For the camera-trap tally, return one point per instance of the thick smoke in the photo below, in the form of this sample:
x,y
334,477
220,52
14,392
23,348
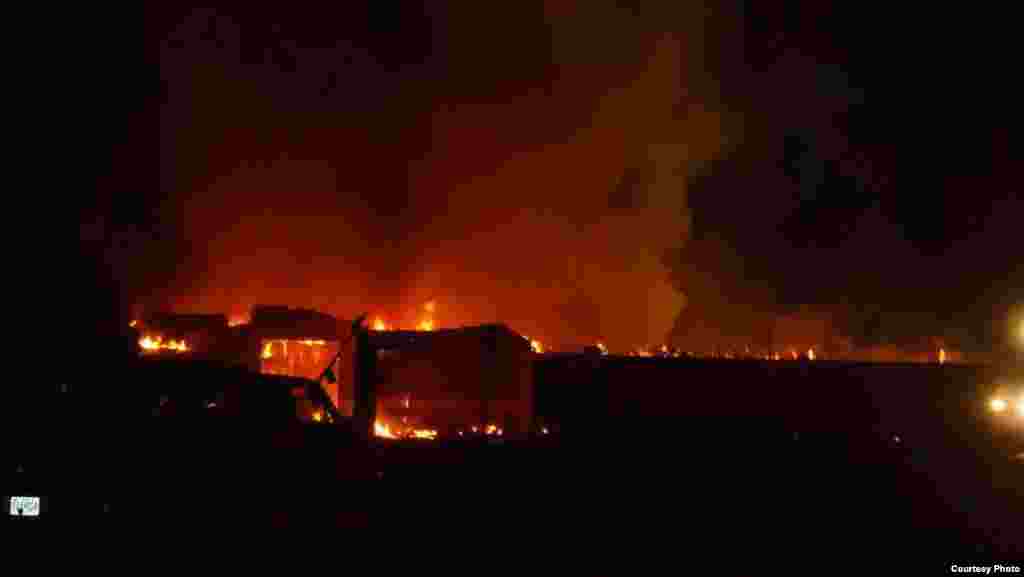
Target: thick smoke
x,y
535,175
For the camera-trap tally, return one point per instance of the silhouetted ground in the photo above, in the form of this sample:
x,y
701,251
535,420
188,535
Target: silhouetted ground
x,y
863,475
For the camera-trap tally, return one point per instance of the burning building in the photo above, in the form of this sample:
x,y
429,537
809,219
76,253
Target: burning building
x,y
444,379
293,342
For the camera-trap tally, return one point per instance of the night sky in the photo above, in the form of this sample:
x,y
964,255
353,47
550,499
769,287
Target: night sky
x,y
580,171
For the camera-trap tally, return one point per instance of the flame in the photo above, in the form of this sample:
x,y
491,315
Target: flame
x,y
429,434
602,348
379,324
267,351
430,307
318,416
425,325
536,346
238,321
314,343
942,356
133,324
383,430
157,343
664,349
810,354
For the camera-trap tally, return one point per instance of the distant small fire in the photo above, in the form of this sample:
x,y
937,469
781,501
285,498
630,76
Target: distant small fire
x,y
427,324
489,430
153,344
238,320
386,431
535,345
380,325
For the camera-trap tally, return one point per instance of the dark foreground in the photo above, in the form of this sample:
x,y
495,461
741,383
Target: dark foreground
x,y
694,483
868,465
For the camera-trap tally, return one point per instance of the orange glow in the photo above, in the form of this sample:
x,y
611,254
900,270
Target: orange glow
x,y
380,325
152,344
942,356
794,355
425,325
314,343
268,352
664,349
536,346
318,416
238,320
430,307
133,324
602,348
810,354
